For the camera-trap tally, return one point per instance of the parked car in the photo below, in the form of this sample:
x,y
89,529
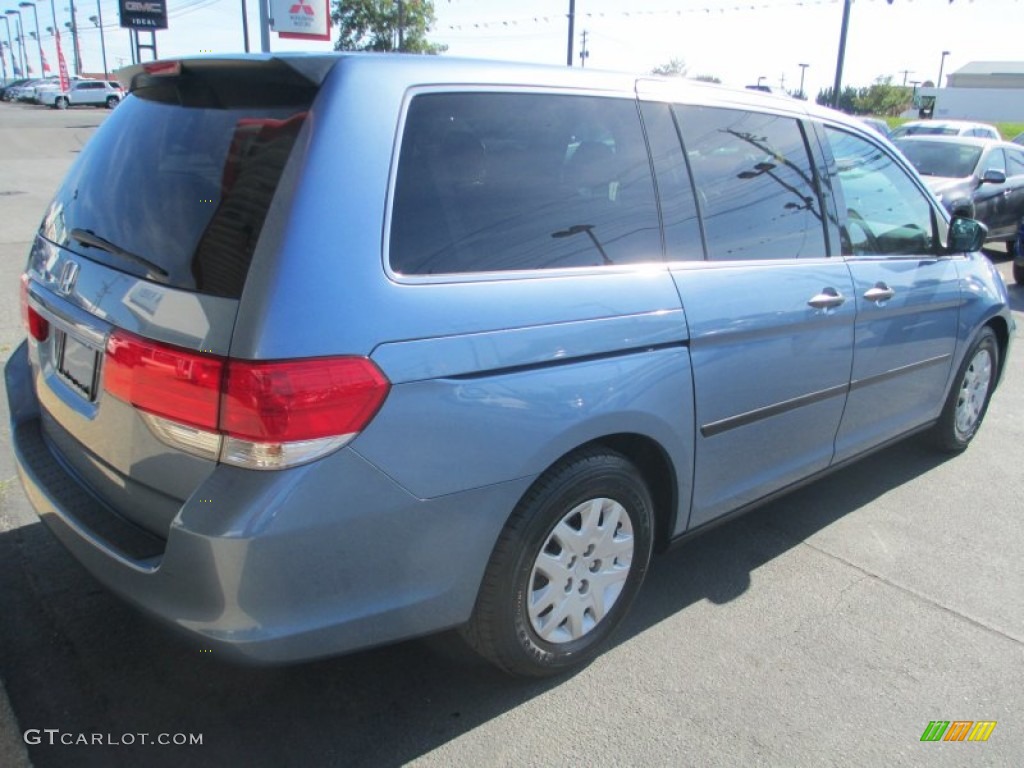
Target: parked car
x,y
328,351
26,90
1018,255
7,92
978,178
945,128
94,93
877,124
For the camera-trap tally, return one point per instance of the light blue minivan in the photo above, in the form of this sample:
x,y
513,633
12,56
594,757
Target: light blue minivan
x,y
327,351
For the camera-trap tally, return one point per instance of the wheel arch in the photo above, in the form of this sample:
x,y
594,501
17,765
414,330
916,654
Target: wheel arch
x,y
1001,329
657,469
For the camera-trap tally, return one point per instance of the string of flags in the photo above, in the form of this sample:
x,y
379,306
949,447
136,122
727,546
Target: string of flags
x,y
699,9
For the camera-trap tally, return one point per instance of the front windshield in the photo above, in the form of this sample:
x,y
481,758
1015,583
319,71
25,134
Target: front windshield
x,y
945,159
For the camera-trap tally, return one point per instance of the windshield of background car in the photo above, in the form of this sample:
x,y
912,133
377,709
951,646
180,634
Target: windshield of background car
x,y
934,158
186,188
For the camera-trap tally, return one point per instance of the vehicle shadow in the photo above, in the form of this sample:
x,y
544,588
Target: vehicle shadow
x,y
76,659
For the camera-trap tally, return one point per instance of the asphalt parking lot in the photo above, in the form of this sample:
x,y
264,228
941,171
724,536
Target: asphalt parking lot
x,y
828,628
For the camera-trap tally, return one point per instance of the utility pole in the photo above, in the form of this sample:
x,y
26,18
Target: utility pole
x,y
905,73
74,39
782,81
842,54
572,23
803,71
401,25
584,53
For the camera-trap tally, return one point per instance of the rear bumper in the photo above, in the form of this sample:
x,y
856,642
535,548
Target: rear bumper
x,y
273,567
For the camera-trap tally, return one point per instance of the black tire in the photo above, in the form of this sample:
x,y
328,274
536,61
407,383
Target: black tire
x,y
112,101
606,487
969,397
1018,273
60,103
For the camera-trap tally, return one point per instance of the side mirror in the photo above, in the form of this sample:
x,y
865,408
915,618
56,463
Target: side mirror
x,y
994,176
966,235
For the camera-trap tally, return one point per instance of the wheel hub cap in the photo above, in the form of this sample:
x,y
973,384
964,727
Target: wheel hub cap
x,y
580,571
973,391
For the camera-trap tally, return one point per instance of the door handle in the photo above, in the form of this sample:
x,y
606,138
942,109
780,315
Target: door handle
x,y
829,298
881,292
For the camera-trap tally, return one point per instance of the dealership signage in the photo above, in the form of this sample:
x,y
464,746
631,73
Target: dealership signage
x,y
301,19
143,14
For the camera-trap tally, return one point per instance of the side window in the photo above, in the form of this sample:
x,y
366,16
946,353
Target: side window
x,y
675,187
507,181
886,212
755,184
995,161
1014,162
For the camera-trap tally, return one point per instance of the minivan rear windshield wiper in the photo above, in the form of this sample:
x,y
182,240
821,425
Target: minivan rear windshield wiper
x,y
90,238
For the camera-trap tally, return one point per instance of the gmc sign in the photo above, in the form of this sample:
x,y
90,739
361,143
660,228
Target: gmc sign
x,y
143,14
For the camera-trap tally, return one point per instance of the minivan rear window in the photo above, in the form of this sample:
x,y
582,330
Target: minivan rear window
x,y
177,193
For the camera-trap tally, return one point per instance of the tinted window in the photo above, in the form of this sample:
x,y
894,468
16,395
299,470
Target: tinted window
x,y
995,161
941,158
755,185
499,181
186,188
1014,162
886,212
675,187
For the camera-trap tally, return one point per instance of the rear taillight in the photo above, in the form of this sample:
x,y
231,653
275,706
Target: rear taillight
x,y
262,415
36,325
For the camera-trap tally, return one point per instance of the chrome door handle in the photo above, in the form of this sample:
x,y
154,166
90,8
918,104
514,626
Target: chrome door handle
x,y
829,298
881,292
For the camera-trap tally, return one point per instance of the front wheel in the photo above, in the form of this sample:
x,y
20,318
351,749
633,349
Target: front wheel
x,y
968,400
566,567
112,101
61,103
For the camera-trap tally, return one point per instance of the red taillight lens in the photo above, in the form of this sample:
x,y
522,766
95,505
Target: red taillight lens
x,y
285,401
37,326
167,381
292,400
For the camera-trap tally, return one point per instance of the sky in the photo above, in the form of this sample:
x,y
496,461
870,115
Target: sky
x,y
737,42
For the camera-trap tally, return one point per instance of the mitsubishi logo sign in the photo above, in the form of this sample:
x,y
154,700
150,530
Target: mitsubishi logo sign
x,y
301,19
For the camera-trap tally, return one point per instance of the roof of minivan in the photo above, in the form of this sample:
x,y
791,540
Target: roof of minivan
x,y
418,69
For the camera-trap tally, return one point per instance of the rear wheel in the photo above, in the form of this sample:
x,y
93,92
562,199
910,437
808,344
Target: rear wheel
x,y
968,400
566,568
112,101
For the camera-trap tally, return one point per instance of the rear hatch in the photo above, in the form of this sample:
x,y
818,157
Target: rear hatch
x,y
135,277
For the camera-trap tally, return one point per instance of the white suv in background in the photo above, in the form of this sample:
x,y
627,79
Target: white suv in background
x,y
97,93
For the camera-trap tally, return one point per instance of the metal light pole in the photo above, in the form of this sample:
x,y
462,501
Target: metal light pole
x,y
10,46
21,40
572,24
3,61
39,38
803,71
245,25
842,54
98,21
942,62
73,26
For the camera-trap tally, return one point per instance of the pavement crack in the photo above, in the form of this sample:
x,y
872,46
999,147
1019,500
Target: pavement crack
x,y
867,573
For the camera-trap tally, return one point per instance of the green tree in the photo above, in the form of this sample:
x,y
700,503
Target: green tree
x,y
675,68
847,98
883,98
377,25
707,79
